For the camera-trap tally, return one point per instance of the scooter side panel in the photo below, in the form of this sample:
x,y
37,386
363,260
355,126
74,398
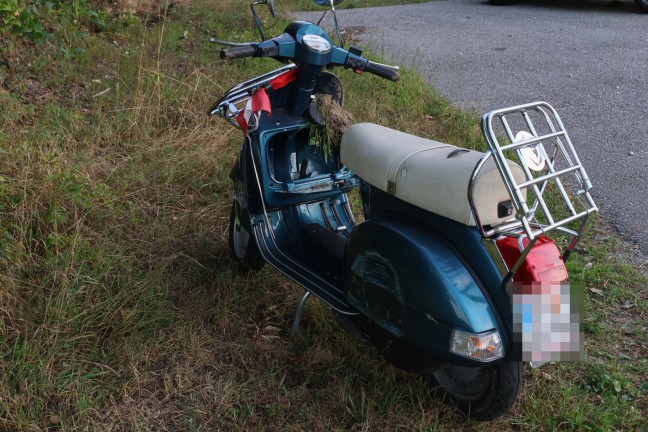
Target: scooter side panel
x,y
464,242
409,282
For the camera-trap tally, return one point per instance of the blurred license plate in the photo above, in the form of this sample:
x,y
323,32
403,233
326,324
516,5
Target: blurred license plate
x,y
547,323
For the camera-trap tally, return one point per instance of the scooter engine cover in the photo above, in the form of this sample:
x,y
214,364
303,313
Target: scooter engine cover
x,y
428,174
407,280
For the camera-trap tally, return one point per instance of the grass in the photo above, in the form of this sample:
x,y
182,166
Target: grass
x,y
119,306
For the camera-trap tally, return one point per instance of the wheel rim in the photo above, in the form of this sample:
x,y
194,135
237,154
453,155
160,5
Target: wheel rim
x,y
464,383
240,238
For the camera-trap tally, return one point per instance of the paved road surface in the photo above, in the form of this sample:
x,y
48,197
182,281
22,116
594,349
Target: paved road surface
x,y
589,59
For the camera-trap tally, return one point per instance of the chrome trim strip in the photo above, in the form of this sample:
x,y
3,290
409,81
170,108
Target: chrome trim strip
x,y
226,106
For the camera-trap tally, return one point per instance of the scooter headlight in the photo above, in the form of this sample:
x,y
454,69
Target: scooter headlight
x,y
481,347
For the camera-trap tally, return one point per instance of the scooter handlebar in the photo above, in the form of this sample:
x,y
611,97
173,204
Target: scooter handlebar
x,y
382,71
239,52
283,46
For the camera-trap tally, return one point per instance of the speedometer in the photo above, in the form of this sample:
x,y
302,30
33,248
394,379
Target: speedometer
x,y
317,43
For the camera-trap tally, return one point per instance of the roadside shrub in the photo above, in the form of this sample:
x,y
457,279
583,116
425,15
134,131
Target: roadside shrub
x,y
32,18
22,19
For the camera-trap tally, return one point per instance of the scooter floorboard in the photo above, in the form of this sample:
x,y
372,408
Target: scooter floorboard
x,y
304,249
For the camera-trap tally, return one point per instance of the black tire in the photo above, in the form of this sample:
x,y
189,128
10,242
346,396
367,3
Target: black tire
x,y
643,5
242,243
502,2
481,393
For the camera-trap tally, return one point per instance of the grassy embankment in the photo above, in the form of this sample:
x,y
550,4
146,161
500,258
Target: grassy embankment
x,y
119,306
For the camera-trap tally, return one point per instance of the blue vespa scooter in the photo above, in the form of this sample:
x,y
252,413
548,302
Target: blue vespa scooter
x,y
429,276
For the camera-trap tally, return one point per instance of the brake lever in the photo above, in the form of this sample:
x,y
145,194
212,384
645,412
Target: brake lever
x,y
227,43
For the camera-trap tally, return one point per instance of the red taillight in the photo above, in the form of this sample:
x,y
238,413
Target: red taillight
x,y
543,263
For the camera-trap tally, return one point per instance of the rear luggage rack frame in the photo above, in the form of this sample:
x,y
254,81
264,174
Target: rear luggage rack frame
x,y
533,136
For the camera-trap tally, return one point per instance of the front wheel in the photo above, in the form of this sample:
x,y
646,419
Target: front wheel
x,y
643,5
482,393
242,243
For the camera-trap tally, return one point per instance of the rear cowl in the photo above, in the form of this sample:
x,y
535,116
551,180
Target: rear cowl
x,y
409,282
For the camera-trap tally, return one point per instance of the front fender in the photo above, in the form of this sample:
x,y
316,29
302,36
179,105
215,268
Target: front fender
x,y
409,282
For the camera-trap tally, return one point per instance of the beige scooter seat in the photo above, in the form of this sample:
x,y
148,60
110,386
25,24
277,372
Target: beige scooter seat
x,y
428,174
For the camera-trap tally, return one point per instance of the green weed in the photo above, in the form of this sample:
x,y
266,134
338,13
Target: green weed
x,y
30,18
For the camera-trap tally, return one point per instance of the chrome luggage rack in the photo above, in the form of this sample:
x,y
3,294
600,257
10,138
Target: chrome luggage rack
x,y
234,99
534,137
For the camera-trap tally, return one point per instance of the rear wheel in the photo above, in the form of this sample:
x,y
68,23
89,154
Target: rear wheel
x,y
482,393
242,243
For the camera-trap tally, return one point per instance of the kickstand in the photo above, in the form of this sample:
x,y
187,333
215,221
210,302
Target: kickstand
x,y
298,314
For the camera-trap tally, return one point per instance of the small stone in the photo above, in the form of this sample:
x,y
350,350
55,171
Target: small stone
x,y
631,153
546,376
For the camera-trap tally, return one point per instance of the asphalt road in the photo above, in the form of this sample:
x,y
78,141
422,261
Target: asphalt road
x,y
589,59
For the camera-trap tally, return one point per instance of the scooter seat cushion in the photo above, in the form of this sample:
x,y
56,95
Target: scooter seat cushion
x,y
428,174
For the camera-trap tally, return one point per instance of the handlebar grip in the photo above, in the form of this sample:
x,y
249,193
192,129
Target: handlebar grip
x,y
239,52
382,71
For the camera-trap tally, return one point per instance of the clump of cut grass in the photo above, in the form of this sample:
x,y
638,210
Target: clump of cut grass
x,y
336,118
